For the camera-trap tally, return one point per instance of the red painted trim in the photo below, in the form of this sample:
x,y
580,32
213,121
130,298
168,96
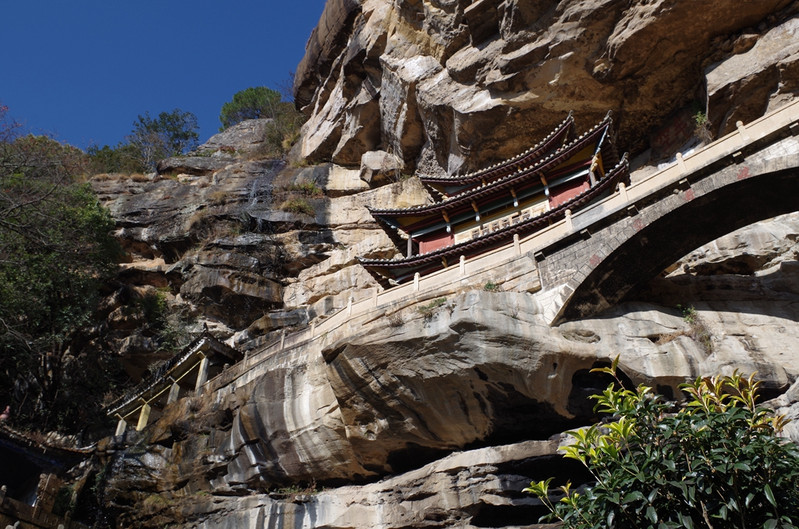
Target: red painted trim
x,y
434,242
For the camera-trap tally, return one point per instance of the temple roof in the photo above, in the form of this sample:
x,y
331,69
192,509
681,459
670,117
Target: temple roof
x,y
433,260
557,138
488,189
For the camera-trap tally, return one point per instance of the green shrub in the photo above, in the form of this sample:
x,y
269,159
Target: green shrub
x,y
699,331
298,205
490,286
702,127
306,188
429,309
714,462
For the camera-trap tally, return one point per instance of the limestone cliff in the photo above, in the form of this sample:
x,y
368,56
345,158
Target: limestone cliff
x,y
435,411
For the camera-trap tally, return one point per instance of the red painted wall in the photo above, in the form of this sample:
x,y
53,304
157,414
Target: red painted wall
x,y
428,243
566,192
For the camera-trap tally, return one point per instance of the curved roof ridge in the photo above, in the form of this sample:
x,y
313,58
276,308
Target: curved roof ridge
x,y
569,120
607,121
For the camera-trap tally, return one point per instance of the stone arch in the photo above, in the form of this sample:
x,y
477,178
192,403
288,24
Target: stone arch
x,y
662,232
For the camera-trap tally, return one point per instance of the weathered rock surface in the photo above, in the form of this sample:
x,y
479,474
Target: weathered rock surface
x,y
444,87
193,165
450,86
764,68
477,488
245,137
481,369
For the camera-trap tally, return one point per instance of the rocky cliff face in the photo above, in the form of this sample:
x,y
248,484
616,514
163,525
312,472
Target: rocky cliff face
x,y
436,414
452,86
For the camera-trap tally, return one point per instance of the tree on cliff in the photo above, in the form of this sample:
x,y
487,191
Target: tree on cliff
x,y
261,102
55,250
252,103
170,134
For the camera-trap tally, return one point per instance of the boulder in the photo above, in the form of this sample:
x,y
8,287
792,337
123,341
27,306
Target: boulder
x,y
243,138
379,168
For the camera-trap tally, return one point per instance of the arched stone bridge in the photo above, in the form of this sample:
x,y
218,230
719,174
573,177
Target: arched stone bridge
x,y
631,237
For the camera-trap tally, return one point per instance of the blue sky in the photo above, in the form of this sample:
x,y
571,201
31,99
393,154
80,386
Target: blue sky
x,y
83,70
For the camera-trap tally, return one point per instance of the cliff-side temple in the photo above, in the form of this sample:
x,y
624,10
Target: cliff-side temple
x,y
480,211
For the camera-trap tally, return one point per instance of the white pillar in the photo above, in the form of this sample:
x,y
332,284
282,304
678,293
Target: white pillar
x,y
416,282
174,393
516,245
144,416
462,265
202,374
742,131
623,192
121,427
569,224
681,163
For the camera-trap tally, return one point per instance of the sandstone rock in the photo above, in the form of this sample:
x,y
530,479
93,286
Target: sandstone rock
x,y
448,87
767,73
242,138
323,47
332,179
754,249
456,84
193,165
380,167
477,488
233,296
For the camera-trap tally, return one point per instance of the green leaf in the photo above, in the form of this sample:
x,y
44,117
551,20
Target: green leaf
x,y
769,495
651,514
749,498
686,521
770,524
630,497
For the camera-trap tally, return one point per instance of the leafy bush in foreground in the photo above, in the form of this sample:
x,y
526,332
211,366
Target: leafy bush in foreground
x,y
715,462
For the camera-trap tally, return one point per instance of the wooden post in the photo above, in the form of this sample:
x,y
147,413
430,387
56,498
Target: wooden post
x,y
202,375
174,393
144,416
